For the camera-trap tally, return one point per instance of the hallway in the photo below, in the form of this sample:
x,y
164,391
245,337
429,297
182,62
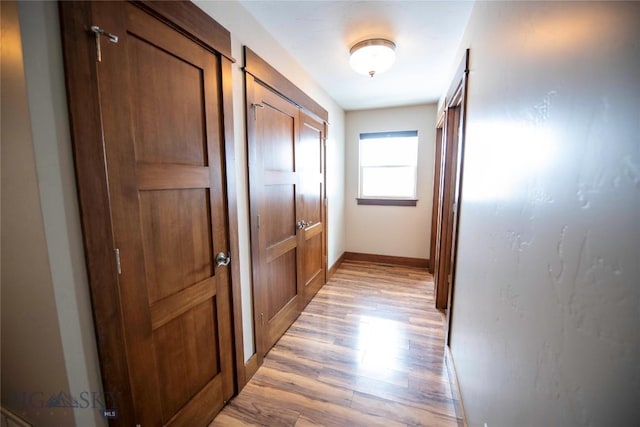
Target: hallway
x,y
367,351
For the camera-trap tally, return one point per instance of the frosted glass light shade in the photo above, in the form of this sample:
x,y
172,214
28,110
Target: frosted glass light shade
x,y
373,56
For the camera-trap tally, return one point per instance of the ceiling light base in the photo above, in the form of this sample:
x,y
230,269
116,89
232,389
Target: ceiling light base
x,y
372,56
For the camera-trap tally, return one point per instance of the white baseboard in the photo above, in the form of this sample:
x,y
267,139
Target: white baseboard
x,y
455,387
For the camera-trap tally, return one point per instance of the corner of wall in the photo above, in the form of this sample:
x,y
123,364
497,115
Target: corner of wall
x,y
33,367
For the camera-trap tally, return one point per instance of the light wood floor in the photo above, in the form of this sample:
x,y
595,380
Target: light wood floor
x,y
367,351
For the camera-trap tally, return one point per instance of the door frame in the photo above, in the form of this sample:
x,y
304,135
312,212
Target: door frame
x,y
453,122
259,72
434,247
81,75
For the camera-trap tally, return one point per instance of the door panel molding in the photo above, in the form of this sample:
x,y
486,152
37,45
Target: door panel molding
x,y
169,308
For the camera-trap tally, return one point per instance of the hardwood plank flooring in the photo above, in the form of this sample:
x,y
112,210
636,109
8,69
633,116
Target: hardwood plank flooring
x,y
367,351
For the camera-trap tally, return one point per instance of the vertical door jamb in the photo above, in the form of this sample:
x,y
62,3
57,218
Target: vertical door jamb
x,y
436,206
85,116
232,215
254,201
325,203
457,99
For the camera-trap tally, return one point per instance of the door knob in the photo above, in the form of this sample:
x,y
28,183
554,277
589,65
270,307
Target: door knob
x,y
301,224
222,259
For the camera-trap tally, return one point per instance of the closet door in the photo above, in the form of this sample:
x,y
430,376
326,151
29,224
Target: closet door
x,y
275,196
310,159
286,154
161,134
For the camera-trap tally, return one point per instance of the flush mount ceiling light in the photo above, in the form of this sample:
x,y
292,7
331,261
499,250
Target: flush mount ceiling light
x,y
372,56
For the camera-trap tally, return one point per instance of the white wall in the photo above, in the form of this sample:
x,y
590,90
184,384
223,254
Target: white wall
x,y
47,337
391,230
54,161
245,30
545,319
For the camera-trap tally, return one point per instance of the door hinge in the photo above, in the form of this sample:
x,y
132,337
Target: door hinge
x,y
100,32
118,265
258,221
255,110
262,318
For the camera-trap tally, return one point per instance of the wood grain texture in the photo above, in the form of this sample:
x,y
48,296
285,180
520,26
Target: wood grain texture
x,y
170,177
176,304
368,350
191,21
251,367
93,195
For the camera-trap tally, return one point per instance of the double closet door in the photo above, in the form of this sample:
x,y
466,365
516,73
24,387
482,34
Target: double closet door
x,y
287,192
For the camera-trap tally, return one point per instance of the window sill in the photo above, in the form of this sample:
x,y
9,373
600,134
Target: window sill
x,y
388,202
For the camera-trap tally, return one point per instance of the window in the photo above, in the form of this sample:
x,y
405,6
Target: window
x,y
388,168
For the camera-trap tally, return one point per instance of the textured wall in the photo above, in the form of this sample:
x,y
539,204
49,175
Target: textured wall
x,y
546,313
391,230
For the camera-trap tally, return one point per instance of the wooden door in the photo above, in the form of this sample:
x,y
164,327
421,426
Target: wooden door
x,y
442,277
163,143
455,122
287,186
275,195
449,206
310,159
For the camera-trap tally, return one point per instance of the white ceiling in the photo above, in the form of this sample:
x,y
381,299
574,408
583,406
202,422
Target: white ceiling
x,y
319,35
